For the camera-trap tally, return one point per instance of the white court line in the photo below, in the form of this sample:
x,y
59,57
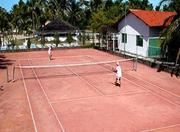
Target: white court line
x,y
159,87
159,128
153,92
29,103
46,58
91,97
54,112
74,99
97,90
126,93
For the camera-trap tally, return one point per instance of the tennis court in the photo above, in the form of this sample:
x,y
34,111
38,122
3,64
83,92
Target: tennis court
x,y
75,92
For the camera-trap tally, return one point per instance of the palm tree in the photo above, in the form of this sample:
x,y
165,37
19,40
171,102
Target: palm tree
x,y
140,4
19,16
58,8
95,4
4,22
75,13
43,13
34,8
172,33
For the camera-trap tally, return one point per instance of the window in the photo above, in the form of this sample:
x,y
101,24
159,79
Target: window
x,y
139,40
124,38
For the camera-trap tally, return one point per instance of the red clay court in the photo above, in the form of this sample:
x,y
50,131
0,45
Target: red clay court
x,y
47,97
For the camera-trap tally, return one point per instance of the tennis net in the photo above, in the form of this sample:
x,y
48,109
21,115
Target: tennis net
x,y
80,69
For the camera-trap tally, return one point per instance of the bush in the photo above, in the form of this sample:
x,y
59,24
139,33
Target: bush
x,y
69,38
43,40
56,39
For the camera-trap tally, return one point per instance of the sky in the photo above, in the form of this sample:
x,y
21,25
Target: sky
x,y
8,4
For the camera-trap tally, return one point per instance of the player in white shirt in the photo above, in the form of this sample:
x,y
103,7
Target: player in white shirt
x,y
50,53
118,74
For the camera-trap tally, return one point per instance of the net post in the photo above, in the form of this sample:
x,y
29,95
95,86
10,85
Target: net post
x,y
135,64
13,72
7,75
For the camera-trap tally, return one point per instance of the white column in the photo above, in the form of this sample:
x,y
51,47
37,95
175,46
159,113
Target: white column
x,y
107,42
113,42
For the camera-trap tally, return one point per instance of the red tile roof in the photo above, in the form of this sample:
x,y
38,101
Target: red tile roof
x,y
153,18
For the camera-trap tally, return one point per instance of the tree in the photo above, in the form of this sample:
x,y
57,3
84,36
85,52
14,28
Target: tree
x,y
58,8
69,38
172,32
19,17
13,42
56,39
140,4
106,16
43,40
4,22
38,13
95,4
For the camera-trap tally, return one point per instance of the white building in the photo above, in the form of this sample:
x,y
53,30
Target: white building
x,y
139,30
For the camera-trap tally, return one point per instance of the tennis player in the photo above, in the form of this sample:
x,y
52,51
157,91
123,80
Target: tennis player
x,y
50,53
118,74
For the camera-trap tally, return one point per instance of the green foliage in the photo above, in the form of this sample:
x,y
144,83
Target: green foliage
x,y
0,41
4,20
140,4
13,43
171,42
82,14
83,38
69,38
80,37
106,17
85,14
56,39
43,41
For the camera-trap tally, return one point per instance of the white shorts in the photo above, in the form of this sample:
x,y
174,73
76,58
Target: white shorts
x,y
118,76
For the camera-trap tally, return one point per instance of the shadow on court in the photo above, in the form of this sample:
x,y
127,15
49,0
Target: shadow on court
x,y
4,62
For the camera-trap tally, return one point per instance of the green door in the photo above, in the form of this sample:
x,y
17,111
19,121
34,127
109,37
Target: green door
x,y
154,49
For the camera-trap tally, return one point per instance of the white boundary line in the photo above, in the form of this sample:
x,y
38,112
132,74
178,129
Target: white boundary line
x,y
159,87
153,92
74,99
46,58
151,130
97,90
29,103
46,96
91,97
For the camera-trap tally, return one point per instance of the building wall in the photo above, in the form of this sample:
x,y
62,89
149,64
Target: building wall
x,y
133,26
154,32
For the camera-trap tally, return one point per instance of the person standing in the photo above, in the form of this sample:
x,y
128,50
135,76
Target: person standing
x,y
50,53
118,74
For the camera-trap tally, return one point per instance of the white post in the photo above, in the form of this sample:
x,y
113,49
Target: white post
x,y
136,57
113,42
107,42
13,73
77,37
125,32
7,75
